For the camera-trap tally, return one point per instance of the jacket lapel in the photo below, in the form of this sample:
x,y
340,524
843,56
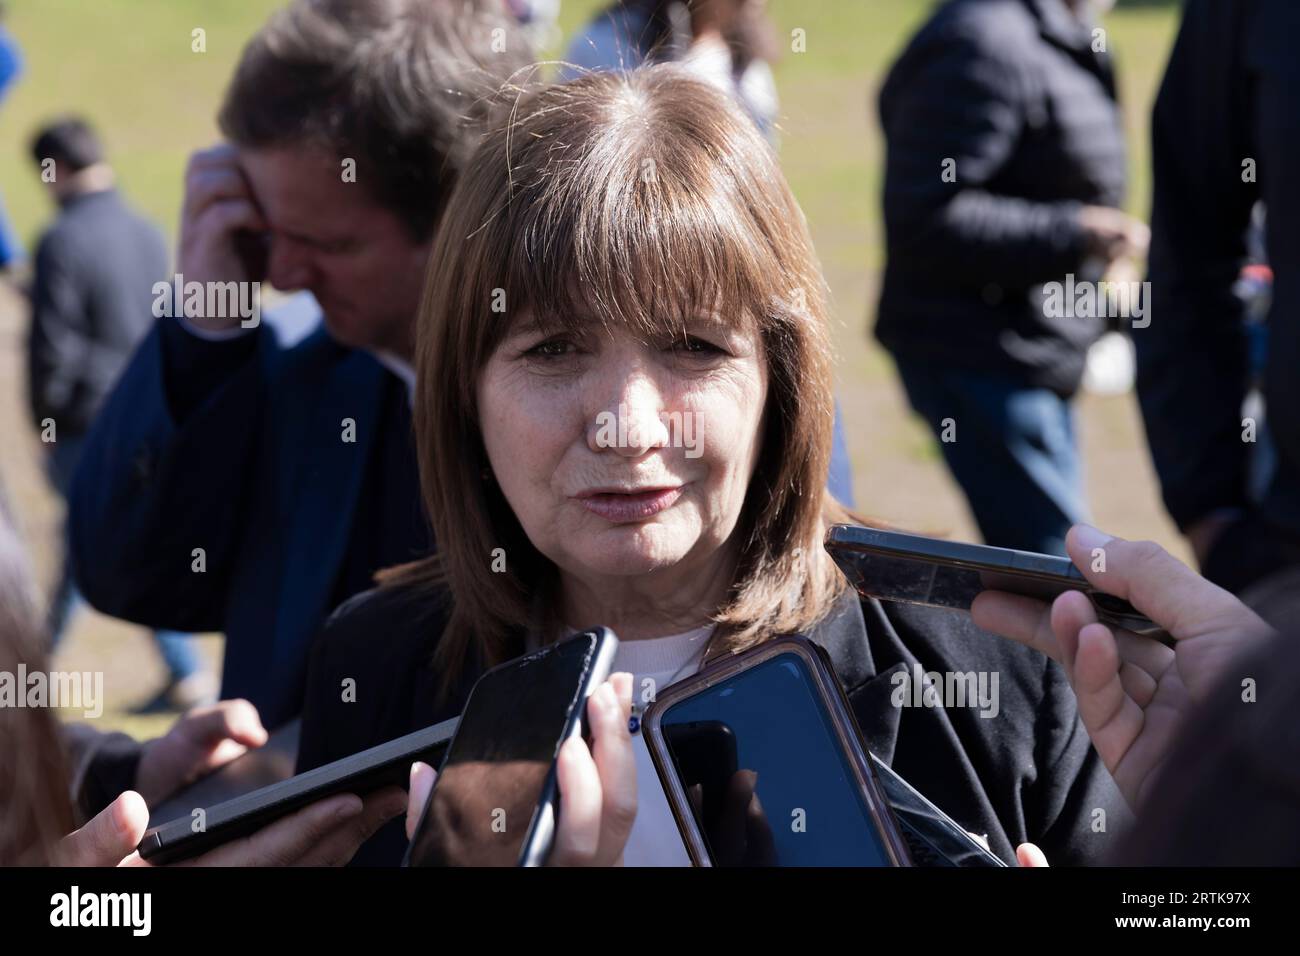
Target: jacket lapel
x,y
843,634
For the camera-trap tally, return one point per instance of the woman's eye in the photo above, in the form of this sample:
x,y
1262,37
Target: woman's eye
x,y
691,345
551,348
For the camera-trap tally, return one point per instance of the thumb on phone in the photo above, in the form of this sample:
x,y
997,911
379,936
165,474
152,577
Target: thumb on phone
x,y
1151,579
110,837
422,778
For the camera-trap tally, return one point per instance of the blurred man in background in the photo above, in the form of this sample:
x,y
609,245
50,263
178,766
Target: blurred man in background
x,y
94,270
1224,138
1005,171
245,482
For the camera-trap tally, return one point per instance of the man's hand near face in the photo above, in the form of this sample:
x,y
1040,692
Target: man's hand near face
x,y
219,223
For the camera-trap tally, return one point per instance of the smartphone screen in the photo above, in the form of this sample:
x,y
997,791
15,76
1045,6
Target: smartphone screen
x,y
764,772
498,775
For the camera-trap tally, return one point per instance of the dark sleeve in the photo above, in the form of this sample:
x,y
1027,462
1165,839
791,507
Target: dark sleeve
x,y
1192,359
320,705
103,766
951,98
1076,813
57,346
167,468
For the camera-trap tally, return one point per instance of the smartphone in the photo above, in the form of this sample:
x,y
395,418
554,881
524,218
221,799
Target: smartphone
x,y
495,801
204,828
763,764
933,838
912,569
260,767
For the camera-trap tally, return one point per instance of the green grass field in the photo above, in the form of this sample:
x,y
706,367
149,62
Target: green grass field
x,y
128,66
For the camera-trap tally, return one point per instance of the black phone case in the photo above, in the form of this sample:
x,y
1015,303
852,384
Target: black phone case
x,y
361,773
845,540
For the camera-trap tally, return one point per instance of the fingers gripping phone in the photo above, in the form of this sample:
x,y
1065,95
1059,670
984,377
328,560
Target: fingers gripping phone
x,y
198,822
912,569
495,801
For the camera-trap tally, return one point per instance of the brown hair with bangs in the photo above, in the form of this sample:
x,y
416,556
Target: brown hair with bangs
x,y
638,198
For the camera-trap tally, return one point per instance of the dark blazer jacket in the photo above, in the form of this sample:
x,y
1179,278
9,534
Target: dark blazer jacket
x,y
1028,774
236,447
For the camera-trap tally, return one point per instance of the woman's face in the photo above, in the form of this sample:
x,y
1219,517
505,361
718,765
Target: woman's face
x,y
623,457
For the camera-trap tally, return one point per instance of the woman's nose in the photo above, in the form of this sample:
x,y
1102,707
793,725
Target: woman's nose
x,y
631,422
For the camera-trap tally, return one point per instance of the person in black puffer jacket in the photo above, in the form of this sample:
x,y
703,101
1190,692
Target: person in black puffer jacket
x,y
1005,168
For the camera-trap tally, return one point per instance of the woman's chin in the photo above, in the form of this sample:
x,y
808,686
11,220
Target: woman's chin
x,y
627,554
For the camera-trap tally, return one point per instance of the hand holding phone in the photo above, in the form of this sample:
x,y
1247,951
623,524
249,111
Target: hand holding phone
x,y
913,569
325,833
519,785
581,838
1208,626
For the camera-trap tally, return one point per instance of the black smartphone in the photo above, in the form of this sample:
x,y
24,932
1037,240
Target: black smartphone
x,y
260,767
913,569
495,802
203,828
763,764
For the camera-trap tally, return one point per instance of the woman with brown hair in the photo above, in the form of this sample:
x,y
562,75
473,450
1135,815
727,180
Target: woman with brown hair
x,y
623,417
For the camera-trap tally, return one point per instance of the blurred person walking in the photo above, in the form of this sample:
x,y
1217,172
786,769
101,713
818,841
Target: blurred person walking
x,y
92,286
1005,170
1224,138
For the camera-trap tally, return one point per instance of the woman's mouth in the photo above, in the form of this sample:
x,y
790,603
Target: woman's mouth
x,y
623,507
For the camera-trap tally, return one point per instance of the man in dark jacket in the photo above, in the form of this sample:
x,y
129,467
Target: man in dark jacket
x,y
1005,165
244,481
93,274
1225,138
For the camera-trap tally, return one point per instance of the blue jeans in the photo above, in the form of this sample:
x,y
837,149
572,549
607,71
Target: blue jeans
x,y
174,647
1011,448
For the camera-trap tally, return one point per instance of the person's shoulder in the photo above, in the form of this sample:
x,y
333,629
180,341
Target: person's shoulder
x,y
992,29
371,676
402,620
